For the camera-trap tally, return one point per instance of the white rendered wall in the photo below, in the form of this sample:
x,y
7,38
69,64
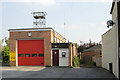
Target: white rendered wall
x,y
64,61
110,45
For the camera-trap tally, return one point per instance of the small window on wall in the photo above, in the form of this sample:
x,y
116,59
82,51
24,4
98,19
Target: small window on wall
x,y
27,55
54,39
20,55
34,55
60,41
63,54
41,55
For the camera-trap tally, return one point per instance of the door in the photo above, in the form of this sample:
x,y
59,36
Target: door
x,y
55,57
31,52
110,67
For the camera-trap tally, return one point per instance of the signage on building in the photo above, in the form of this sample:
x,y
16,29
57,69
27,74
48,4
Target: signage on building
x,y
12,56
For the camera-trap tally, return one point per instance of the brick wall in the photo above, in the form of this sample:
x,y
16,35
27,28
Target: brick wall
x,y
46,35
57,37
98,60
87,56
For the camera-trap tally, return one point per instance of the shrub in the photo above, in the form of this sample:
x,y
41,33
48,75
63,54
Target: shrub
x,y
92,63
82,62
5,54
71,66
76,61
48,65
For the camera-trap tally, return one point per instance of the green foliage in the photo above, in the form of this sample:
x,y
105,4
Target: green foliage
x,y
1,51
48,65
92,63
0,48
5,54
76,61
71,66
82,62
5,51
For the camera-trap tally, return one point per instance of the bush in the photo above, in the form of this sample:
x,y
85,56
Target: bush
x,y
48,65
76,61
82,62
92,63
5,54
71,66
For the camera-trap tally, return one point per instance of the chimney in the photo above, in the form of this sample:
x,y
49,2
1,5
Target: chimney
x,y
68,41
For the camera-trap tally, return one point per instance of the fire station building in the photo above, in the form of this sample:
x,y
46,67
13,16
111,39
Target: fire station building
x,y
39,47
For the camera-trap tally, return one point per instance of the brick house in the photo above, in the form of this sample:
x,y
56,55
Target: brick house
x,y
92,54
33,46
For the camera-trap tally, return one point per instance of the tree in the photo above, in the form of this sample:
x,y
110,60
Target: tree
x,y
1,50
1,46
5,51
81,48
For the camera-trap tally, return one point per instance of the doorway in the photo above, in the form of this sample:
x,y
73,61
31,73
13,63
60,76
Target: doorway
x,y
110,67
55,57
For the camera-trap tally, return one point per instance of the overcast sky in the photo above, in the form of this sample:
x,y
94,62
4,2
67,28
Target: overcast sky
x,y
84,20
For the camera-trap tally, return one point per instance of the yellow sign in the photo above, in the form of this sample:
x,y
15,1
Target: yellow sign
x,y
12,56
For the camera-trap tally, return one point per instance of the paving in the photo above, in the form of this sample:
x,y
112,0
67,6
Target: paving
x,y
22,68
56,72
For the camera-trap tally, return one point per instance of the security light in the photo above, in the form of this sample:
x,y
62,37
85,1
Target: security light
x,y
29,34
110,23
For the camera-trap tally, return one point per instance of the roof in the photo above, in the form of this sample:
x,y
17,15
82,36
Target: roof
x,y
112,7
113,4
60,45
107,31
93,48
29,29
38,12
35,29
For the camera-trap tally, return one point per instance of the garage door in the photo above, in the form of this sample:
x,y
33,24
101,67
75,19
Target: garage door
x,y
31,52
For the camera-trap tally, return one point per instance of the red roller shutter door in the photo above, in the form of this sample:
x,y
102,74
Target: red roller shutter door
x,y
30,52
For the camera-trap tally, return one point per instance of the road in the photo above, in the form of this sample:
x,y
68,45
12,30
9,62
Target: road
x,y
56,72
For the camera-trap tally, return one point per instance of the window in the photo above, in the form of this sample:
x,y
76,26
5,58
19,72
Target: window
x,y
54,39
34,55
63,54
27,55
58,40
20,55
41,55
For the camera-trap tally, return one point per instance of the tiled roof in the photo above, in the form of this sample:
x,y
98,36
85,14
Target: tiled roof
x,y
93,48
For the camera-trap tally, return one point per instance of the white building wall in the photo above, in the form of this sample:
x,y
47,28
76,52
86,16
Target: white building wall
x,y
110,45
64,61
